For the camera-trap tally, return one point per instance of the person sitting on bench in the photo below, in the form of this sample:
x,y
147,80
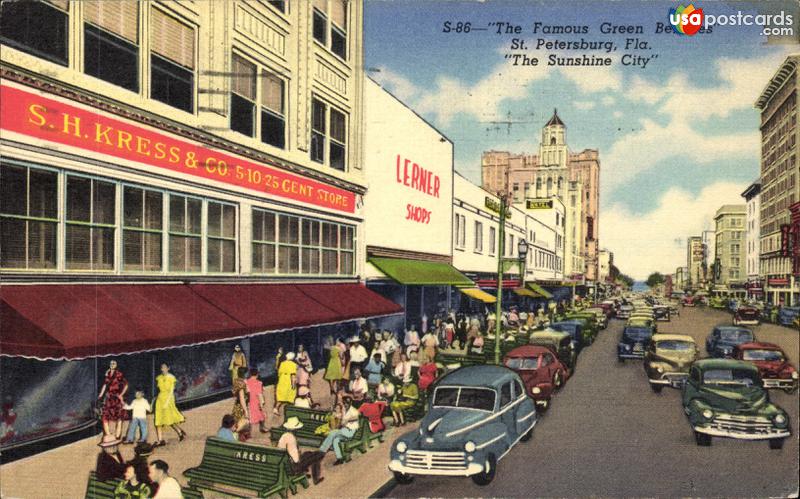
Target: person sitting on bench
x,y
358,387
132,488
110,465
349,426
300,462
405,399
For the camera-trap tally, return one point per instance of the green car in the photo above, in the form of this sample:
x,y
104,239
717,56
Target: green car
x,y
726,398
717,302
560,343
668,359
590,326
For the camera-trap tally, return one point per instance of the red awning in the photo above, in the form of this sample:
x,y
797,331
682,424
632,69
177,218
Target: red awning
x,y
73,321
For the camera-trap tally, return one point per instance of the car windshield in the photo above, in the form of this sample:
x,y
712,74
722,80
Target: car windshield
x,y
522,363
466,398
565,328
676,345
736,335
768,355
636,334
728,377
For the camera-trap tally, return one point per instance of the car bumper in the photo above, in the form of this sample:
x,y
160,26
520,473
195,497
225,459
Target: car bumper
x,y
746,322
630,355
470,469
675,380
716,431
780,383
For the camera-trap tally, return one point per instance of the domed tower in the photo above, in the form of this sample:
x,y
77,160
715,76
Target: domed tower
x,y
553,148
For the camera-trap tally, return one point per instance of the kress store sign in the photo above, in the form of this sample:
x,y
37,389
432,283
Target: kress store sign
x,y
50,120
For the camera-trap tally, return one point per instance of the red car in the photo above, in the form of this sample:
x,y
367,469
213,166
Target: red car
x,y
746,315
691,301
540,370
772,364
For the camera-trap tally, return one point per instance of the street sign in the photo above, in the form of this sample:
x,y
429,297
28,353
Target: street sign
x,y
492,204
539,204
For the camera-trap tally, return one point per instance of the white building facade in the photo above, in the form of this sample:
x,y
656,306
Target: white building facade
x,y
752,196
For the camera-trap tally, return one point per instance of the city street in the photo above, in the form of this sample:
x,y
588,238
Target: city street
x,y
608,434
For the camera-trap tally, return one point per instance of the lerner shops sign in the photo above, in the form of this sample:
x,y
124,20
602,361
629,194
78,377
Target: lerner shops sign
x,y
46,119
409,169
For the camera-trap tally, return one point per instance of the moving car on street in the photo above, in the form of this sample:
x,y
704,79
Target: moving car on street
x,y
624,311
559,343
787,315
724,398
540,370
723,339
746,315
643,322
475,416
667,360
661,313
633,342
772,363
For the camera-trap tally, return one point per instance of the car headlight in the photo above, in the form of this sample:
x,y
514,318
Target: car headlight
x,y
627,347
794,374
708,413
780,419
660,369
536,390
470,446
401,447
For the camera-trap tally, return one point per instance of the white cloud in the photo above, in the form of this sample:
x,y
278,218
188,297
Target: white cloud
x,y
617,114
583,104
656,241
399,85
607,100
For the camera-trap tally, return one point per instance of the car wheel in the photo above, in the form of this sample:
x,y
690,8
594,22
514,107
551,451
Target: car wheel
x,y
656,388
403,478
620,360
527,436
557,381
703,439
790,390
776,443
489,469
542,405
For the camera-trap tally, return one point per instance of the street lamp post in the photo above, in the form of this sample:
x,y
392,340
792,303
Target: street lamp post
x,y
522,254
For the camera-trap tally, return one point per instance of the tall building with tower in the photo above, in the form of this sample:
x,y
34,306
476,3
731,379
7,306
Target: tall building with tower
x,y
573,177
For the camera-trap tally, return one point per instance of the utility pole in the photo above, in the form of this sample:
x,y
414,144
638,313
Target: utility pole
x,y
501,245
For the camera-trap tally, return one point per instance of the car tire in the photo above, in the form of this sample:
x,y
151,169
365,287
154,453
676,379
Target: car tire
x,y
403,478
656,388
703,439
620,360
485,477
526,436
776,443
542,406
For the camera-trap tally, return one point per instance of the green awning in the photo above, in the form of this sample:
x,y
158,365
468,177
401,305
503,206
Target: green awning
x,y
420,273
539,290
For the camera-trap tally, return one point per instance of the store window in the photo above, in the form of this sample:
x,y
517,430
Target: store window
x,y
28,217
171,61
312,251
37,27
142,229
478,237
264,242
492,240
185,236
111,37
328,131
289,244
330,25
90,223
221,237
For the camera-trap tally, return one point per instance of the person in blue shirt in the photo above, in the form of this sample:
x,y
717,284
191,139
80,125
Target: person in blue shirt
x,y
226,430
374,370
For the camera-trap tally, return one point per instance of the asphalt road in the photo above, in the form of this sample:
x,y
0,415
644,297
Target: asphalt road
x,y
608,434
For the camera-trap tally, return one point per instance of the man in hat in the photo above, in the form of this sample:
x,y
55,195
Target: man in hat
x,y
142,451
303,398
358,354
110,464
300,462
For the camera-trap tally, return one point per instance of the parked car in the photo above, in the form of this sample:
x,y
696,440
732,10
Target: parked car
x,y
667,360
587,325
609,308
540,370
475,417
574,328
602,319
661,313
642,321
692,301
772,363
560,343
633,342
723,339
624,311
787,315
746,315
725,398
718,302
595,323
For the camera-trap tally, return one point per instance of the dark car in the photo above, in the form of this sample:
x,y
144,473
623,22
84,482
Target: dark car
x,y
772,363
723,339
541,372
574,328
725,398
633,342
787,315
560,343
746,315
589,325
661,313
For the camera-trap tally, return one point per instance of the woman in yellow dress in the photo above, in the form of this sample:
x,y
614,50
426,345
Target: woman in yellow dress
x,y
166,413
286,389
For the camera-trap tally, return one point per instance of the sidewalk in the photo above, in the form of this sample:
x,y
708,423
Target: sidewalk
x,y
63,471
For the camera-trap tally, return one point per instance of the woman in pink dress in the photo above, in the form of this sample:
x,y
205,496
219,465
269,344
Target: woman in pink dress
x,y
304,367
255,390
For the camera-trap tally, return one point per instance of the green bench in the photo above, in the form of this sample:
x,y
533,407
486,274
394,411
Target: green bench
x,y
244,470
95,489
464,359
313,419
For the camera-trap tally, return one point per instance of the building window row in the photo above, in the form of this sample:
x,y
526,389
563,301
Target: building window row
x,y
329,25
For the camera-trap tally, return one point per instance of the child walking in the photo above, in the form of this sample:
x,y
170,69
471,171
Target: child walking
x,y
139,408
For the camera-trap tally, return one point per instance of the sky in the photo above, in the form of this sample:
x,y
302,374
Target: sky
x,y
677,138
